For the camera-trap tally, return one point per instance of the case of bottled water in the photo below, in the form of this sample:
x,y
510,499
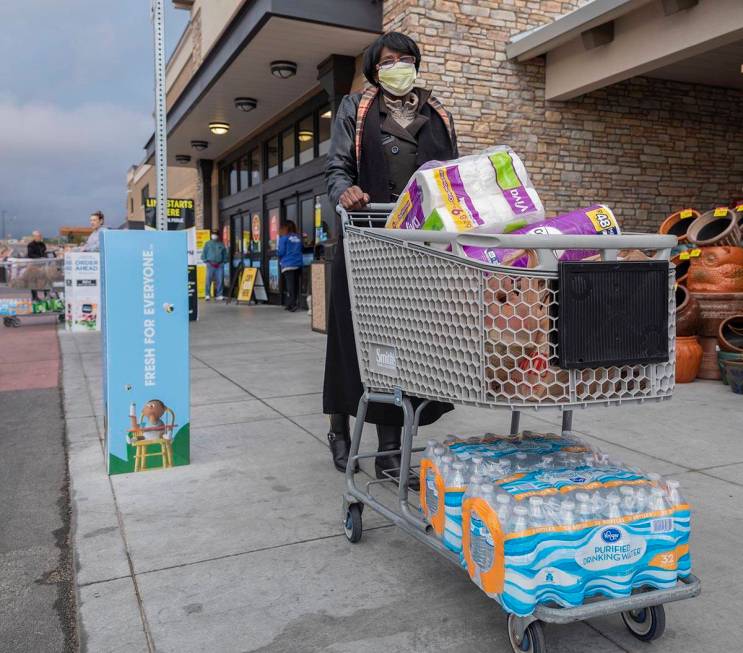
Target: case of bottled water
x,y
545,519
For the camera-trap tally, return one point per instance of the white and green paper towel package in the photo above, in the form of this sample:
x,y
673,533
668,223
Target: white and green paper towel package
x,y
489,192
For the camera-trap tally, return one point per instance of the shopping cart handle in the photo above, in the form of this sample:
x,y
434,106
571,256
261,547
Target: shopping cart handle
x,y
563,241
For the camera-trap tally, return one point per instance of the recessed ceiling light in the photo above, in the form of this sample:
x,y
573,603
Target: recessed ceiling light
x,y
219,128
182,158
283,69
305,135
246,103
199,145
326,115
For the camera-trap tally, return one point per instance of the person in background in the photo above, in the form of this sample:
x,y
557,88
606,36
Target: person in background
x,y
380,138
214,255
37,247
93,243
290,262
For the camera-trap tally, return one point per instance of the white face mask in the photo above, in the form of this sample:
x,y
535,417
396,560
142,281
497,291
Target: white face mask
x,y
215,237
398,80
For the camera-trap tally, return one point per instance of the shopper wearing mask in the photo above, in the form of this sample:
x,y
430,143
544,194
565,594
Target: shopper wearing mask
x,y
380,138
214,254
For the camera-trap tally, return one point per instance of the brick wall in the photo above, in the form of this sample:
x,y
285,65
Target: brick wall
x,y
646,147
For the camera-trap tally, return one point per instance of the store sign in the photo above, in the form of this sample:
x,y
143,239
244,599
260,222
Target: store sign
x,y
82,290
193,296
145,349
180,214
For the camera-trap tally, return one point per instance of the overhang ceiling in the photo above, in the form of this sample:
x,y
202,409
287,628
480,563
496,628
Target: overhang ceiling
x,y
718,67
305,43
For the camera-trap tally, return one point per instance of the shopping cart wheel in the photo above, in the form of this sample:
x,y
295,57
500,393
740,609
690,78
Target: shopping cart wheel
x,y
646,624
352,525
533,639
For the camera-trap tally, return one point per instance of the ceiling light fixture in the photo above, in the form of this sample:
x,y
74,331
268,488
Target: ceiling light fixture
x,y
327,115
219,128
199,145
283,69
182,158
305,135
246,103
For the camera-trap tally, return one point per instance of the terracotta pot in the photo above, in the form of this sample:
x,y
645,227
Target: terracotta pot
x,y
709,369
715,228
717,269
677,224
687,313
682,267
688,358
714,308
730,334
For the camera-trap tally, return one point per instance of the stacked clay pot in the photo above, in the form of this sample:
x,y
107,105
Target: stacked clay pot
x,y
688,349
730,356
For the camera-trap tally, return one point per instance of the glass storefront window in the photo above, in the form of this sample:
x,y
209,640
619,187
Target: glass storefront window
x,y
255,166
307,228
325,121
272,157
233,179
289,211
306,137
287,149
244,172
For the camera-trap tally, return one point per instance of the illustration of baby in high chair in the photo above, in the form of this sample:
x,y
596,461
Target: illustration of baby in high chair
x,y
152,428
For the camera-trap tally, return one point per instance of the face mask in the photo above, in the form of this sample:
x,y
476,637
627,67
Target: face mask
x,y
214,236
399,79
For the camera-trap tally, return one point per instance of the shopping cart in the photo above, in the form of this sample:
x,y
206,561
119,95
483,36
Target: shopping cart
x,y
35,288
431,324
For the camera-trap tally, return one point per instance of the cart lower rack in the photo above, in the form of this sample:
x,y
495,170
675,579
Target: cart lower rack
x,y
425,327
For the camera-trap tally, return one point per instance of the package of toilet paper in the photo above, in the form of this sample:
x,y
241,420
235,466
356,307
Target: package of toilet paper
x,y
489,191
597,219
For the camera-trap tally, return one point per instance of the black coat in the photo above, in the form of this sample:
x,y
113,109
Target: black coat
x,y
342,387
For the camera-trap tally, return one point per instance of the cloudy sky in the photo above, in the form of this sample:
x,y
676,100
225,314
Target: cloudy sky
x,y
76,98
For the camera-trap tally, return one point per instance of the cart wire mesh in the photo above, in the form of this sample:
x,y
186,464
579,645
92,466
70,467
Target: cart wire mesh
x,y
437,326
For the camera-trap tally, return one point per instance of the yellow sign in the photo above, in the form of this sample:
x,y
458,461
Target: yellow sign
x,y
686,213
247,282
721,212
202,237
201,280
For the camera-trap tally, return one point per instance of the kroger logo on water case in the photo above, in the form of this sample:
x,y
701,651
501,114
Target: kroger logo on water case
x,y
611,535
383,360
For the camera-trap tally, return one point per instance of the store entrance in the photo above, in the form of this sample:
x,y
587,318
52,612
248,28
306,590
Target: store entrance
x,y
246,240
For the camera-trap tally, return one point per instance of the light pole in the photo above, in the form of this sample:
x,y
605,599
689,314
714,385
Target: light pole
x,y
161,135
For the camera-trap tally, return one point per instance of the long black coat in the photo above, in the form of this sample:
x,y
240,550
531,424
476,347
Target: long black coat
x,y
342,386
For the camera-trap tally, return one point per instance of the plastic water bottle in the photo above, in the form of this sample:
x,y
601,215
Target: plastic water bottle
x,y
657,499
456,474
478,465
641,500
521,462
430,446
438,453
655,479
585,511
612,506
504,507
520,520
629,503
547,462
567,512
474,486
672,490
536,512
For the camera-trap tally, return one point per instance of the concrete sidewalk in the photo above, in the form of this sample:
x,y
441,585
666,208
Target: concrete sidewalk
x,y
243,549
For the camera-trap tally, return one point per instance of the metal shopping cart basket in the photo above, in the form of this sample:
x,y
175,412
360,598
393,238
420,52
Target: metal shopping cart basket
x,y
432,324
35,287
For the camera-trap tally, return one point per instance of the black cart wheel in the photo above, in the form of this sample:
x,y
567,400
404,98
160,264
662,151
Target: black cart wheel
x,y
646,624
61,317
352,525
533,640
8,322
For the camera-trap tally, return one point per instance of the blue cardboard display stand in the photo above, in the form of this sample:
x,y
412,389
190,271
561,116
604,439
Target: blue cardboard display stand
x,y
144,298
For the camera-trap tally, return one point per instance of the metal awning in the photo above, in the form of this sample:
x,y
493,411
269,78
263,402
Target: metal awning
x,y
239,66
607,41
